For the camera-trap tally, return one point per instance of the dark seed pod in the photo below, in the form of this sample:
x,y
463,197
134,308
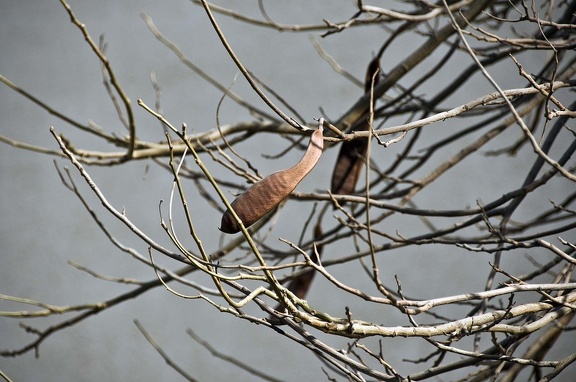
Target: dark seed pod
x,y
301,284
349,165
352,153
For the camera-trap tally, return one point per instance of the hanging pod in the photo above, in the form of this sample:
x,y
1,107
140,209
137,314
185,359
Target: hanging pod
x,y
267,193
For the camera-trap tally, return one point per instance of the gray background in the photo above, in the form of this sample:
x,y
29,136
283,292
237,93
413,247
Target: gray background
x,y
44,226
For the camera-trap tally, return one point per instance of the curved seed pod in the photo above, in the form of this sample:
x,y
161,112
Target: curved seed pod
x,y
352,153
266,194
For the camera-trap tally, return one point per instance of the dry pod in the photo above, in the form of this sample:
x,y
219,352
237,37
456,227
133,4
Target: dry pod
x,y
352,153
301,284
266,194
349,163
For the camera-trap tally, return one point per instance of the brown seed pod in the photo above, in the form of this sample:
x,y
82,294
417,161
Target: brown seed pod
x,y
301,284
352,153
349,164
266,194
